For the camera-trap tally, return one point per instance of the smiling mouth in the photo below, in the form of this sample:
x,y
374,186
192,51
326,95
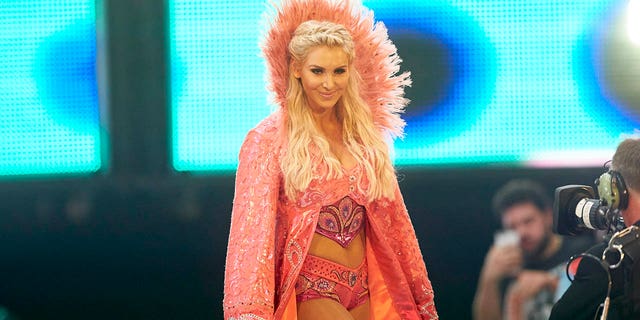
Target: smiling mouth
x,y
327,95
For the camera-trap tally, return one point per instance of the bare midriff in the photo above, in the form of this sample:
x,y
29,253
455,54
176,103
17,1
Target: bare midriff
x,y
350,256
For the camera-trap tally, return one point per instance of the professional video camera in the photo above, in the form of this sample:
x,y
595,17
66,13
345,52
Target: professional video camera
x,y
576,209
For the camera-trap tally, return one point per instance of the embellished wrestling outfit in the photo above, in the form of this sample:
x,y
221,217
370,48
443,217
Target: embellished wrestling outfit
x,y
322,278
270,233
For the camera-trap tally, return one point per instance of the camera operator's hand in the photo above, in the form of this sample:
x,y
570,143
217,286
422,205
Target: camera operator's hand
x,y
502,262
527,285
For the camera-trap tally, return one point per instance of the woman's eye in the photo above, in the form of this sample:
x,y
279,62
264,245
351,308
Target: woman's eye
x,y
340,71
316,71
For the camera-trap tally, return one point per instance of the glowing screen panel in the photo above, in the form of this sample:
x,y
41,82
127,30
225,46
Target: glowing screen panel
x,y
49,113
509,82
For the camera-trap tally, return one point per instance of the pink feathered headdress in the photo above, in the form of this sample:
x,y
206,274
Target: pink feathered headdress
x,y
376,59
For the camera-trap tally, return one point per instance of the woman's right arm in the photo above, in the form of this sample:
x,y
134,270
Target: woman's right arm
x,y
249,285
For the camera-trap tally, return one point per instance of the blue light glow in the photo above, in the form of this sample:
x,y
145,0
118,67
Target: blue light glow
x,y
218,88
507,82
49,110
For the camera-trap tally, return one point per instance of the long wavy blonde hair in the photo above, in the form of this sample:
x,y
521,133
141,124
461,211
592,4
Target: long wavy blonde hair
x,y
359,134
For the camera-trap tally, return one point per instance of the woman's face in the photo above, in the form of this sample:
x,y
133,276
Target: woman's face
x,y
324,76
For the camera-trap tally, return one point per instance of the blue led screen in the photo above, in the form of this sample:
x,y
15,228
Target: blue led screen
x,y
510,82
49,112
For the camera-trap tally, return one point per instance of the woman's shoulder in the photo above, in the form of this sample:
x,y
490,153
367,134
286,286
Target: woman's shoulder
x,y
266,136
269,127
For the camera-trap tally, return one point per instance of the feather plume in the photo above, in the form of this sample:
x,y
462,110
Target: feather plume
x,y
377,61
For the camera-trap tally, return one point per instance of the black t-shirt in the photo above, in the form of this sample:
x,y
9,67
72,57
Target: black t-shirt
x,y
587,292
570,246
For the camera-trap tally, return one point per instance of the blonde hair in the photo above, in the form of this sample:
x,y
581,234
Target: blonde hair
x,y
360,135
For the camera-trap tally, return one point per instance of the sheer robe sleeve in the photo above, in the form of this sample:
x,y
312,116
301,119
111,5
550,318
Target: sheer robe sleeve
x,y
404,243
249,284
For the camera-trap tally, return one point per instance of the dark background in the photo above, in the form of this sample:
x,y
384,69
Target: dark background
x,y
154,248
140,241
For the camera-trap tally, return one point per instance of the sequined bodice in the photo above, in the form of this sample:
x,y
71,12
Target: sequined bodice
x,y
341,221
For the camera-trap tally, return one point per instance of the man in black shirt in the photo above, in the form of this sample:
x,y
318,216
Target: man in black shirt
x,y
586,294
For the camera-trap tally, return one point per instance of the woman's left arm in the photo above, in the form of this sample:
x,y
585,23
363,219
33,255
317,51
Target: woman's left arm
x,y
408,252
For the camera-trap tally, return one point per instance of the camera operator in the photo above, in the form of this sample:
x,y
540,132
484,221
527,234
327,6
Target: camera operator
x,y
584,299
519,276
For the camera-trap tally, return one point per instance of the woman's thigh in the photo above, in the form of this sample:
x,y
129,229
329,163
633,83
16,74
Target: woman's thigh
x,y
321,309
361,312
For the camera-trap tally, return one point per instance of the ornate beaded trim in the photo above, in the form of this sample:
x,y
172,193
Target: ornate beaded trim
x,y
247,316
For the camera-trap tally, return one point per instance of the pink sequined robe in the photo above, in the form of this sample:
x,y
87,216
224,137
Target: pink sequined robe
x,y
270,235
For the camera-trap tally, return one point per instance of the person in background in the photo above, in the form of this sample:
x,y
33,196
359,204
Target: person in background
x,y
319,229
521,270
585,296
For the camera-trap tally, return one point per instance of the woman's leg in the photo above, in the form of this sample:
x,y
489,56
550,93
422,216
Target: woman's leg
x,y
361,312
322,309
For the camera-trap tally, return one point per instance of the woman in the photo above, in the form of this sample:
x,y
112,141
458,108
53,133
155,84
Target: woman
x,y
319,228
